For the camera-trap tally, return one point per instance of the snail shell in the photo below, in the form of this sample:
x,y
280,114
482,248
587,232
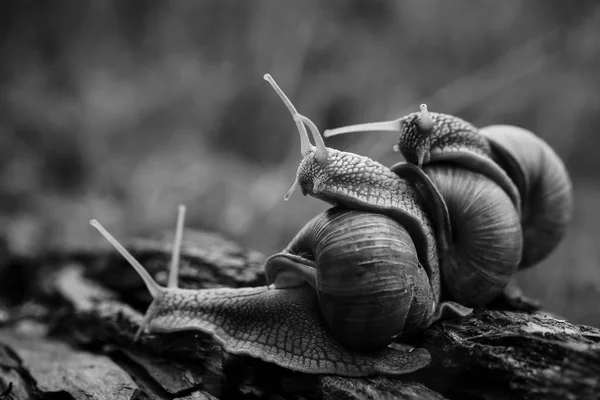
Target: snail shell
x,y
486,244
366,273
544,183
524,165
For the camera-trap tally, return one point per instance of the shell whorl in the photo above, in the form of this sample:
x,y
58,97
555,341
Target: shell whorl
x,y
486,245
544,184
370,283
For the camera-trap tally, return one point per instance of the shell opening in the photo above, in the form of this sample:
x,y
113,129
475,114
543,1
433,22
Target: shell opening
x,y
305,145
154,288
174,266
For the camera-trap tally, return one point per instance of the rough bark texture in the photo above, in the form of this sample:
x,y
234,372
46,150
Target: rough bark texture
x,y
67,322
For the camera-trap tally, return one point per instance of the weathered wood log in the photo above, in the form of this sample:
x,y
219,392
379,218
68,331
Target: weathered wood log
x,y
74,315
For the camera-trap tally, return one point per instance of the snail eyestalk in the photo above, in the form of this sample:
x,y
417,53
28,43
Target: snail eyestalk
x,y
153,287
156,291
304,142
384,126
425,121
295,185
321,150
174,267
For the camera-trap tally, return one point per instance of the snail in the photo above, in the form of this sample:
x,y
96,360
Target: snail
x,y
360,274
522,163
279,323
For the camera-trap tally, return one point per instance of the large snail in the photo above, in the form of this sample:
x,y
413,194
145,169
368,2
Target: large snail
x,y
358,275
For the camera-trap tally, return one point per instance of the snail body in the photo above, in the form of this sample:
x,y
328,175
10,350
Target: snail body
x,y
523,164
280,323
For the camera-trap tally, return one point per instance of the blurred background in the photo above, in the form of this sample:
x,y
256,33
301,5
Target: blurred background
x,y
121,110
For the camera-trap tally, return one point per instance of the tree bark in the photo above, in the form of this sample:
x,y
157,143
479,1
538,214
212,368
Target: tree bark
x,y
67,322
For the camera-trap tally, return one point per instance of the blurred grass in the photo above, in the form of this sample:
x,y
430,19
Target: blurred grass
x,y
122,110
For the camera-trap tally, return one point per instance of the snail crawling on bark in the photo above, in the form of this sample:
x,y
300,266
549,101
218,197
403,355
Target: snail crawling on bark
x,y
360,274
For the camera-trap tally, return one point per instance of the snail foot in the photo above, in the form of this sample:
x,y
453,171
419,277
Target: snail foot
x,y
513,299
450,310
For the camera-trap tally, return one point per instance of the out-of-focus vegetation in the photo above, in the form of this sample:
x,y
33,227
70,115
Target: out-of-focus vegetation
x,y
120,110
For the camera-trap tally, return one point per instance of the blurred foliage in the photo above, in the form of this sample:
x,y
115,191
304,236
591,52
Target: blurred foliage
x,y
120,110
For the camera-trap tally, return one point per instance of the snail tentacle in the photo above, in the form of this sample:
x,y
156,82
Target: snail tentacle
x,y
383,126
320,151
156,291
305,145
174,265
154,288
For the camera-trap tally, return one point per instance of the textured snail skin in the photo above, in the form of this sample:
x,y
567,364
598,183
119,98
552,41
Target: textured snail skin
x,y
295,336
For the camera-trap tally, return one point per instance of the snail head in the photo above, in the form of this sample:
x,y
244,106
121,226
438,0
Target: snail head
x,y
416,131
326,173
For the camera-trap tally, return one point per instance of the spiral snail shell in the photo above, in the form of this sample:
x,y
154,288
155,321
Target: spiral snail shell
x,y
523,164
400,249
363,267
544,183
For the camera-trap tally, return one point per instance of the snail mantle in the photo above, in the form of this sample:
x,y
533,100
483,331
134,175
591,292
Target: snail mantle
x,y
86,306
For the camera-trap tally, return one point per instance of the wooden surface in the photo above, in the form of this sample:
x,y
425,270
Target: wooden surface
x,y
67,322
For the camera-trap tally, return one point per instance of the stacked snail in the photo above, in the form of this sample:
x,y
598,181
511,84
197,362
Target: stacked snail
x,y
401,248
